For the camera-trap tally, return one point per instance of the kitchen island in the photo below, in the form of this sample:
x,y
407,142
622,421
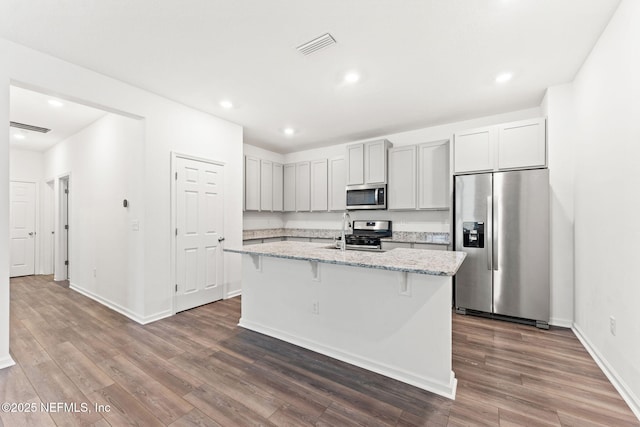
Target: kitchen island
x,y
388,312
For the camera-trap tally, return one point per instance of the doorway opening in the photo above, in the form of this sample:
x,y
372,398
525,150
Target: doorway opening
x,y
61,255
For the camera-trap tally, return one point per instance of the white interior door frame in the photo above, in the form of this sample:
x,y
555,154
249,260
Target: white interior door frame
x,y
62,244
174,189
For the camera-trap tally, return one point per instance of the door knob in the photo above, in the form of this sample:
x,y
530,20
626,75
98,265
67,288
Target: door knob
x,y
220,239
31,234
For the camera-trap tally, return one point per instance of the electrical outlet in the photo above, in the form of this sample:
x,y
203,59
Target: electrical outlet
x,y
612,325
316,307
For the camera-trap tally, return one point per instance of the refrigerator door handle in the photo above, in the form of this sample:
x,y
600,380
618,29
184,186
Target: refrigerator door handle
x,y
494,235
488,238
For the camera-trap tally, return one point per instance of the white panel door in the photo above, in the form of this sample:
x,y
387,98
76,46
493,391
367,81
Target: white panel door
x,y
22,211
200,222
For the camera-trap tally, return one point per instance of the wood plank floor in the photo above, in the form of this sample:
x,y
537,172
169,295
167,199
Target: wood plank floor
x,y
199,369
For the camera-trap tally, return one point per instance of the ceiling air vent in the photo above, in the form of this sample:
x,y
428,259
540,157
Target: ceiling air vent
x,y
316,44
28,127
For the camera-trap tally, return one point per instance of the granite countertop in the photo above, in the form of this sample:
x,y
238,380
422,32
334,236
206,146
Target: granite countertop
x,y
433,238
421,261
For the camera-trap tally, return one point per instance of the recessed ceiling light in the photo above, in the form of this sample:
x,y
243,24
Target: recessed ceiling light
x,y
226,104
18,136
55,103
289,131
503,77
352,77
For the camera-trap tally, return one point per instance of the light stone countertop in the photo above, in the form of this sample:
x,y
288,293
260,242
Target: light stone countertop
x,y
433,238
421,261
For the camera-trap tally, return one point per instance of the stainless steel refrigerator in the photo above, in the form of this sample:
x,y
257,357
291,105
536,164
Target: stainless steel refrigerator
x,y
502,223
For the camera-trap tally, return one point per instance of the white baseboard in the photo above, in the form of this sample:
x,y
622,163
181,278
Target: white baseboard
x,y
428,384
143,320
6,362
627,394
563,323
233,294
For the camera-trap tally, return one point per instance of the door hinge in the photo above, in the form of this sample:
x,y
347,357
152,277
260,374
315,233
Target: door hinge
x,y
176,288
66,227
176,231
66,191
66,263
176,176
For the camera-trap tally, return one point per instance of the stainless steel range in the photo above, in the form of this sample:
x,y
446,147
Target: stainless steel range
x,y
367,234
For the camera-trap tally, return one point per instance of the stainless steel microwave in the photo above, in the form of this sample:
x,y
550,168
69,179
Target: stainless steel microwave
x,y
368,196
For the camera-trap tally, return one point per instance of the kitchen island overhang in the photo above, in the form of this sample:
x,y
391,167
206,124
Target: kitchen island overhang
x,y
388,312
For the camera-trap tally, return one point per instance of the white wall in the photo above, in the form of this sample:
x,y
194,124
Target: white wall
x,y
5,358
103,162
606,110
169,126
25,165
559,108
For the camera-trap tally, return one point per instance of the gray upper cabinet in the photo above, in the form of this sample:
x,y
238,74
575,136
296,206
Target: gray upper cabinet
x,y
434,177
419,176
522,144
367,162
516,145
289,188
319,185
337,184
278,187
355,164
251,183
401,190
473,150
266,185
303,186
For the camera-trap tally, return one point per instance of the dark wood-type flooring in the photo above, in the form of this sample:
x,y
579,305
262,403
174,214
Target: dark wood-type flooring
x,y
199,368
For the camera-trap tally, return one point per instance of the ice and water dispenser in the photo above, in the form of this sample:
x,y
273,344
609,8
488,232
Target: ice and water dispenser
x,y
473,234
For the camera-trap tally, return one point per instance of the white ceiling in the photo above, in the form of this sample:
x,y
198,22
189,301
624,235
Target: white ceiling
x,y
423,62
33,108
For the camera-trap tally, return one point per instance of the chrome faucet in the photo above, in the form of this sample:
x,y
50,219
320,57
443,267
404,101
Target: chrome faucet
x,y
345,223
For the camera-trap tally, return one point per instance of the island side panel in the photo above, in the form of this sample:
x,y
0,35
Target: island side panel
x,y
359,315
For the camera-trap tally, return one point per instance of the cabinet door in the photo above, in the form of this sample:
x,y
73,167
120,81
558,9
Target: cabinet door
x,y
522,144
289,187
355,164
277,187
303,187
266,185
251,183
473,151
375,162
337,184
433,175
401,191
319,185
